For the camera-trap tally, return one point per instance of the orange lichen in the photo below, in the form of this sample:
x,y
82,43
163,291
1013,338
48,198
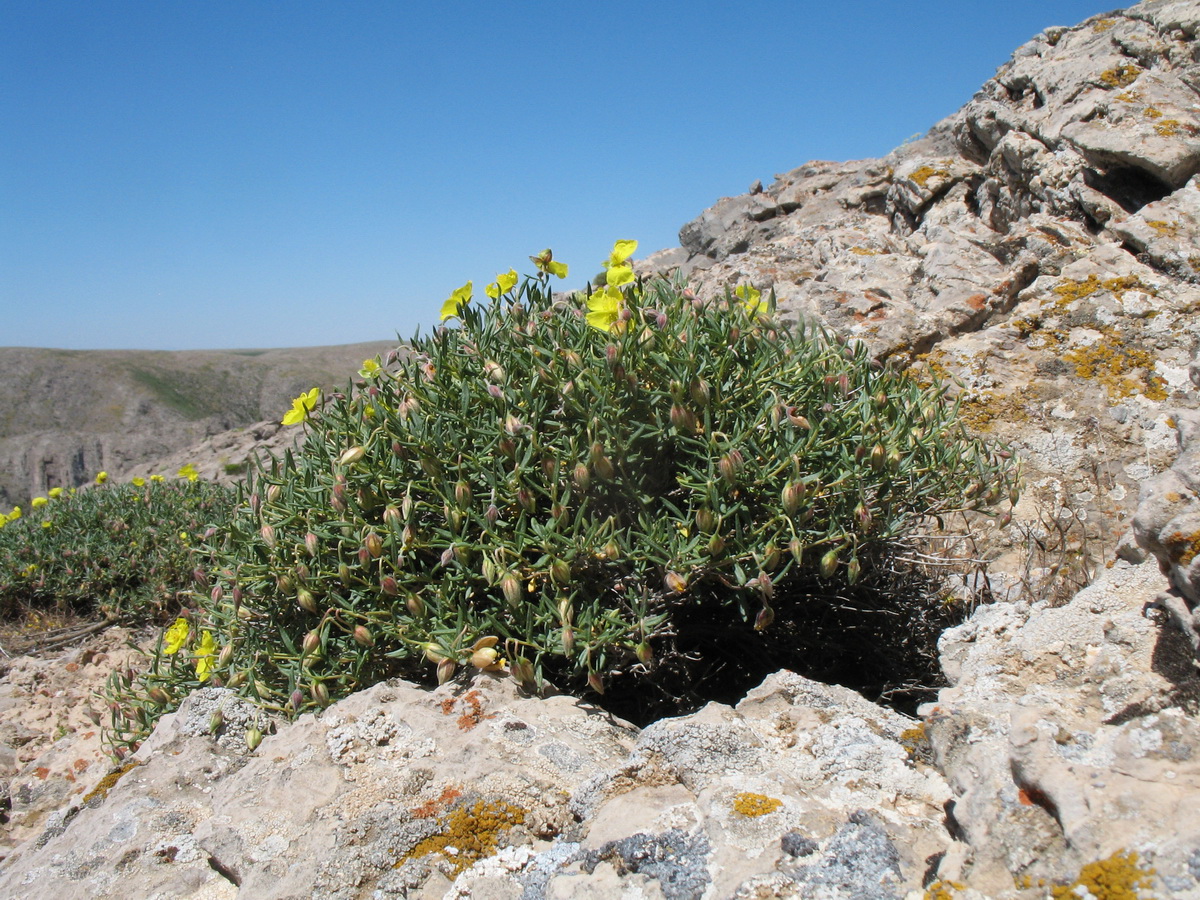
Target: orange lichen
x,y
944,890
469,834
1103,25
431,808
755,805
1117,878
1183,547
1109,361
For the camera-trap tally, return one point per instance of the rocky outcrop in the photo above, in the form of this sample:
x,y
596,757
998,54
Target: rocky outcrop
x,y
1041,246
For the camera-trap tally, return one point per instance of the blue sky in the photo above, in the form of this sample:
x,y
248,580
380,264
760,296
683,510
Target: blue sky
x,y
237,173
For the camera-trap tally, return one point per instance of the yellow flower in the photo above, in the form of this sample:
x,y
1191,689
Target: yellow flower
x,y
38,502
184,536
204,656
3,520
175,637
188,471
45,524
15,514
456,301
502,285
156,478
55,493
604,308
617,271
370,368
301,407
138,481
545,263
750,296
101,478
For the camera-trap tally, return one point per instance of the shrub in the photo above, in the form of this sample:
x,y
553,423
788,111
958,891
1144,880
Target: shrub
x,y
557,485
126,550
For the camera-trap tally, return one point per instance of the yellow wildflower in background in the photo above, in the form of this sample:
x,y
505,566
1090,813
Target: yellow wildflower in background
x,y
101,478
750,296
138,481
604,308
188,471
502,285
545,263
38,502
15,514
55,493
156,478
204,656
370,368
175,637
456,301
301,407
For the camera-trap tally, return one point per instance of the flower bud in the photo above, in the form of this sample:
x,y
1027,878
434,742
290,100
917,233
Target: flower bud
x,y
770,557
525,498
763,620
296,700
716,545
363,636
595,682
560,572
682,419
236,680
273,493
611,353
255,503
582,478
730,465
878,458
351,456
792,496
415,605
215,721
462,494
268,535
225,656
853,570
364,557
508,448
285,583
705,520
796,548
307,602
159,696
568,640
674,582
391,517
829,564
312,643
216,594
445,671
510,584
644,653
521,670
344,574
374,544
700,392
320,693
254,737
484,657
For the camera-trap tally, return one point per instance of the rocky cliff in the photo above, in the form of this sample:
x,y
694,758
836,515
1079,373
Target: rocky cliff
x,y
1041,246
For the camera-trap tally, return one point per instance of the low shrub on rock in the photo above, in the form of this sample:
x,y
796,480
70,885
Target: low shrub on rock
x,y
557,487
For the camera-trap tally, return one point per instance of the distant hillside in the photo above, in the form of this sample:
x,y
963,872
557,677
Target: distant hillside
x,y
67,414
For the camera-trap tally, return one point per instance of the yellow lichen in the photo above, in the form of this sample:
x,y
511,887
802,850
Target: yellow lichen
x,y
108,782
1109,361
754,805
1129,96
864,251
1152,112
1069,290
1117,878
922,175
1120,76
1103,25
469,834
943,890
1164,229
